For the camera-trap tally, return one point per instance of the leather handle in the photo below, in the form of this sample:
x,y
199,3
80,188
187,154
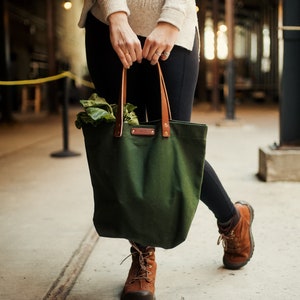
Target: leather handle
x,y
165,106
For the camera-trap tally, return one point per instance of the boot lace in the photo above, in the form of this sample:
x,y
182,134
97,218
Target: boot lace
x,y
143,271
228,241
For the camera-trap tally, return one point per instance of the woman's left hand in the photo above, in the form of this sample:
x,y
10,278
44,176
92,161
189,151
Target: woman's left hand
x,y
160,42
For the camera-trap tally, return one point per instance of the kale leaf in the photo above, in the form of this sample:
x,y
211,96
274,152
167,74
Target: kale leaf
x,y
97,110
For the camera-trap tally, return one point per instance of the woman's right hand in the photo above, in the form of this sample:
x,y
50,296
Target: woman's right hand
x,y
124,41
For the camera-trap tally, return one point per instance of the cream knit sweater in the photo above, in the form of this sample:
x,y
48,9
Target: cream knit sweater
x,y
143,15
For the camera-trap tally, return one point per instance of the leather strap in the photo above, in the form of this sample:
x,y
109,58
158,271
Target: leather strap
x,y
165,105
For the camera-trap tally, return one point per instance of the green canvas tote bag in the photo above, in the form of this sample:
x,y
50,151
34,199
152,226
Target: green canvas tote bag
x,y
147,178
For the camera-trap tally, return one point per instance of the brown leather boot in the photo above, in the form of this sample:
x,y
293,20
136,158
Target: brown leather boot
x,y
237,240
140,283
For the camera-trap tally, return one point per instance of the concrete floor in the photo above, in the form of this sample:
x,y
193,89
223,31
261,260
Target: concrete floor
x,y
49,249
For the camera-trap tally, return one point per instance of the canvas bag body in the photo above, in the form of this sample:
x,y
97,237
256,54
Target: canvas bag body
x,y
146,188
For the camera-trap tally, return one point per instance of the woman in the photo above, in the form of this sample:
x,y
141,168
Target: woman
x,y
136,34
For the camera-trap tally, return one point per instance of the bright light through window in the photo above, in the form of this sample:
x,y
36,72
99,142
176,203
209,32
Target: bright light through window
x,y
223,28
222,44
210,43
266,61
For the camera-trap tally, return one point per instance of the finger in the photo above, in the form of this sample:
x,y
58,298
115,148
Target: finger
x,y
165,55
155,57
123,53
149,50
129,58
133,53
124,57
132,46
146,50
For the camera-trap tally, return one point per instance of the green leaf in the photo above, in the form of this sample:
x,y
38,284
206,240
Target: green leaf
x,y
97,110
97,113
96,101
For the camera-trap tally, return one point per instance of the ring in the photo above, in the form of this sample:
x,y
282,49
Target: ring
x,y
165,53
157,53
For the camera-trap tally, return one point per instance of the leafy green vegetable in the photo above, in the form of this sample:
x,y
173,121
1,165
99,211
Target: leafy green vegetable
x,y
97,110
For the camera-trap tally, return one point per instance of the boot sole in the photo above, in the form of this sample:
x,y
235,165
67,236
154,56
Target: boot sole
x,y
252,243
137,296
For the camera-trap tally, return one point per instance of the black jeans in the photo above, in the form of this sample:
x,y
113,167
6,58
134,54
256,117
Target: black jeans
x,y
180,72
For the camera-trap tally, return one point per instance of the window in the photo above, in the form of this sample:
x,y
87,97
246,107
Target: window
x,y
209,39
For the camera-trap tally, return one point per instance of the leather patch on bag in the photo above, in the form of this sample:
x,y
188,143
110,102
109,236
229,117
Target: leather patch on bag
x,y
142,131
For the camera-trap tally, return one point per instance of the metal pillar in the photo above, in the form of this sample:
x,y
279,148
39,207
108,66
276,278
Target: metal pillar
x,y
65,152
53,104
5,70
282,162
290,98
215,73
229,89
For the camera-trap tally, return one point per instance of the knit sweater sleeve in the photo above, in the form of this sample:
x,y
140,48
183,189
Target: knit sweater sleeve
x,y
174,12
112,6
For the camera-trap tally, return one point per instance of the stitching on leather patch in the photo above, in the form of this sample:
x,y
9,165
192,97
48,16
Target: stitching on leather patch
x,y
142,131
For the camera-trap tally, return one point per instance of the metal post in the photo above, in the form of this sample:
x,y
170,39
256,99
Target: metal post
x,y
290,104
230,74
5,70
53,104
215,73
282,162
65,152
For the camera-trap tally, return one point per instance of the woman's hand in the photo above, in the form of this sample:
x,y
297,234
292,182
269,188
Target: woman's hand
x,y
124,41
160,42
